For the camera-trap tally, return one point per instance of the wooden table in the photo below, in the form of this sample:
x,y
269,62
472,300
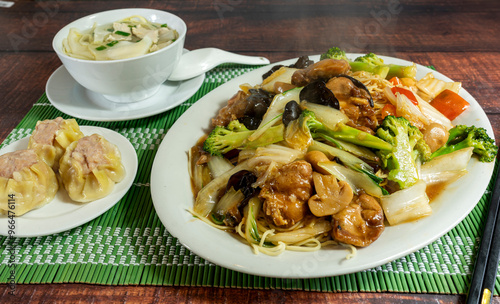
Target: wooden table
x,y
459,38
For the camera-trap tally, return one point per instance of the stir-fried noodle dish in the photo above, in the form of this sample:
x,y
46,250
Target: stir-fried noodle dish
x,y
330,153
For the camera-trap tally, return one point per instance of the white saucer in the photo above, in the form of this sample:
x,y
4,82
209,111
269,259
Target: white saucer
x,y
62,213
71,98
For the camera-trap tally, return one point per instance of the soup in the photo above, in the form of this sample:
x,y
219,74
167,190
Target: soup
x,y
131,37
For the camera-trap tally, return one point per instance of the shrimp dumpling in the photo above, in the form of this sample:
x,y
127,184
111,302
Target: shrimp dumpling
x,y
90,167
51,138
27,180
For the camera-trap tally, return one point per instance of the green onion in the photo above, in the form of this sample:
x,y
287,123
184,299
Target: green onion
x,y
110,30
112,43
164,25
122,33
100,48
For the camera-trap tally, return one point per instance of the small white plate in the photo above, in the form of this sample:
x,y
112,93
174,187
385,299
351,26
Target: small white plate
x,y
62,213
71,98
172,196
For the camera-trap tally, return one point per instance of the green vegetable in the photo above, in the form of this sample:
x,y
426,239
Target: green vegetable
x,y
112,43
342,132
370,63
409,149
122,33
406,205
226,209
346,158
209,195
100,48
402,71
357,180
164,25
224,139
251,230
275,111
462,136
334,53
373,64
359,151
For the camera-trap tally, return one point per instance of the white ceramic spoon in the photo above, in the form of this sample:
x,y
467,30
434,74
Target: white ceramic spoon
x,y
200,61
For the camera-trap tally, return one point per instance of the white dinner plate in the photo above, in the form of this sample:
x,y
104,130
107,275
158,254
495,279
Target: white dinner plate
x,y
69,97
63,213
172,196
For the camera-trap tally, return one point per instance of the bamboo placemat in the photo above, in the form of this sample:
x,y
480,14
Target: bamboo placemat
x,y
122,247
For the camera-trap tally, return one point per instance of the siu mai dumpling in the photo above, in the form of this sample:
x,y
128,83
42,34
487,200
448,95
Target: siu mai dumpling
x,y
90,167
26,180
51,138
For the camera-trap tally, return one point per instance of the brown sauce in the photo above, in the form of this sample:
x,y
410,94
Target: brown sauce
x,y
435,189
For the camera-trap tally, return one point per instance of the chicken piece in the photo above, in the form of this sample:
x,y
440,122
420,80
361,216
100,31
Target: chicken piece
x,y
16,161
435,135
361,117
286,192
122,27
343,88
234,109
359,224
140,31
331,196
324,69
354,102
166,34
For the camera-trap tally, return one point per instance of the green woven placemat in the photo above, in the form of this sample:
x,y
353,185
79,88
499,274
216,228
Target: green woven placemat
x,y
122,247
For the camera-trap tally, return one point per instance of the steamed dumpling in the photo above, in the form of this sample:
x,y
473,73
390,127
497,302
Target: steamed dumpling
x,y
90,167
51,138
28,180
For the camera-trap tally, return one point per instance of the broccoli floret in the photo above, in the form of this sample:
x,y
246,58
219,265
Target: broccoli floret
x,y
234,136
370,63
237,126
370,58
341,131
409,149
462,136
373,64
334,53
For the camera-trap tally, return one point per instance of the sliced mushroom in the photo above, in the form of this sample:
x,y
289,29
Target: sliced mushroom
x,y
315,157
331,195
360,223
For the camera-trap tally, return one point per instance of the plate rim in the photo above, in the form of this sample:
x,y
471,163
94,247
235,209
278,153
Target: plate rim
x,y
125,147
163,152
